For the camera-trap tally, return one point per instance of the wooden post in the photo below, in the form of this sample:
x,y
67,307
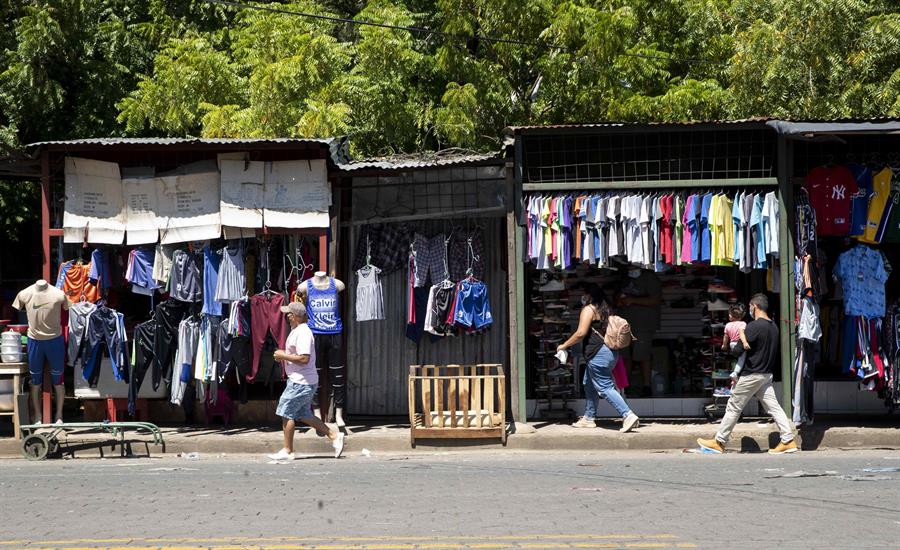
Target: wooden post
x,y
47,390
788,308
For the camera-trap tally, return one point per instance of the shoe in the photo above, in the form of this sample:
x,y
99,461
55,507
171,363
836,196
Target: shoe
x,y
58,422
717,305
585,422
281,455
722,392
553,286
338,445
631,422
782,448
719,288
712,445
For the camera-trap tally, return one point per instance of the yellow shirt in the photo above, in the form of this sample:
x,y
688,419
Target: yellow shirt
x,y
881,192
728,228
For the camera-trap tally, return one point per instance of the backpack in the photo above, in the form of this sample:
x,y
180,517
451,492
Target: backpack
x,y
618,333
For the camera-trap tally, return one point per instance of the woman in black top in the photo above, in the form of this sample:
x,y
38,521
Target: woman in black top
x,y
598,379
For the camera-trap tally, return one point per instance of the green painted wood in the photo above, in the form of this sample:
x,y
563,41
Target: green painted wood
x,y
787,330
649,184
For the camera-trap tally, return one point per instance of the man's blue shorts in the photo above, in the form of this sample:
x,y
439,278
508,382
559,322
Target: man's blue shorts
x,y
53,351
296,401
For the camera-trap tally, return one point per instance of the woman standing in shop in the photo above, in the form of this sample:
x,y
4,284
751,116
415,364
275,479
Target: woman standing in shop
x,y
600,359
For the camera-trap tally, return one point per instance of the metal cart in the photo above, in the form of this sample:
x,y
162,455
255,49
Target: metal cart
x,y
37,446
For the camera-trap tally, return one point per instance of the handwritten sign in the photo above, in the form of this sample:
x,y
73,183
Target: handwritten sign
x,y
242,193
297,194
95,204
141,205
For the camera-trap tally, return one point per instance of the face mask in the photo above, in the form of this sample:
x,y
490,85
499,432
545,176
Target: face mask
x,y
584,300
635,273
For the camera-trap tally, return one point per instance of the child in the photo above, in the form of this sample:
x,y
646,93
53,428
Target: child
x,y
735,339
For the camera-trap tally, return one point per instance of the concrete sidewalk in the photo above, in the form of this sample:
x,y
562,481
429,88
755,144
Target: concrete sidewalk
x,y
394,438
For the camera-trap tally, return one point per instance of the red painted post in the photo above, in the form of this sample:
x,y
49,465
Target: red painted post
x,y
45,271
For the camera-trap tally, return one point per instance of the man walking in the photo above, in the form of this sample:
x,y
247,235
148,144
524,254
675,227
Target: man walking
x,y
303,380
756,379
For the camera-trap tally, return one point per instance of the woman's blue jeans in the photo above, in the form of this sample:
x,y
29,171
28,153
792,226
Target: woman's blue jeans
x,y
598,382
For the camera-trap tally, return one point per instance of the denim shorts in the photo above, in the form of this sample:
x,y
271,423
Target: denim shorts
x,y
296,401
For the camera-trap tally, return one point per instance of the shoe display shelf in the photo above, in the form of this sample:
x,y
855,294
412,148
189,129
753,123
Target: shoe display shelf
x,y
717,364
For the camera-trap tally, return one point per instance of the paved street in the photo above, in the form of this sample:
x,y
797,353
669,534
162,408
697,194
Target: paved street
x,y
623,499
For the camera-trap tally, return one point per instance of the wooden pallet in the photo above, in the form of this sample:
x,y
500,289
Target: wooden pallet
x,y
457,402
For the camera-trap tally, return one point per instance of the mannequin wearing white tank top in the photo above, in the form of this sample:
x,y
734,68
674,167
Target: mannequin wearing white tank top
x,y
320,280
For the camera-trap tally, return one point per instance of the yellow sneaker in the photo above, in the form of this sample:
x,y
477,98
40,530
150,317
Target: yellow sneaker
x,y
711,445
782,448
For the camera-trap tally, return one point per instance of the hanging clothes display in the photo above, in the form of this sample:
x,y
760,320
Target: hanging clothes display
x,y
369,299
654,231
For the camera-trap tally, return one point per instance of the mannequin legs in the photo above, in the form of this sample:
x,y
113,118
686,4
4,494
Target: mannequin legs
x,y
59,392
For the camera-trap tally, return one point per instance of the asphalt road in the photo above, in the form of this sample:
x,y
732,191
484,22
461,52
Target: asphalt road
x,y
459,500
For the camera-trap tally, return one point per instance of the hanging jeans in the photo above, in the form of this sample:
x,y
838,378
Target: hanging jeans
x,y
266,317
804,386
329,353
168,315
599,370
141,359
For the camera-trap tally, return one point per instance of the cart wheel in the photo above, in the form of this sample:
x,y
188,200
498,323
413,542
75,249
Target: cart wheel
x,y
35,447
53,449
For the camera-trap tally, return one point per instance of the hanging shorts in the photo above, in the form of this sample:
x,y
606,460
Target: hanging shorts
x,y
473,308
53,351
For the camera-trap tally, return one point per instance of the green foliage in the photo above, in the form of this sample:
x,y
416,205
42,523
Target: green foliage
x,y
70,68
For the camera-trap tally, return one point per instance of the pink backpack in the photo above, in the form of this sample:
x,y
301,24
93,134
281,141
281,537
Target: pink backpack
x,y
618,333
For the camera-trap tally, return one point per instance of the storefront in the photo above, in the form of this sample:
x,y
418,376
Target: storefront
x,y
427,226
179,242
696,213
846,225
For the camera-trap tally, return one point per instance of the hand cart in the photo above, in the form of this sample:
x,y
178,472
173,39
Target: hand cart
x,y
36,446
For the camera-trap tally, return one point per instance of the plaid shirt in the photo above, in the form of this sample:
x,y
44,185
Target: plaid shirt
x,y
389,246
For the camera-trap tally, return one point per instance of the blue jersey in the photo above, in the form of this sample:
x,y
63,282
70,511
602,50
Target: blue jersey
x,y
322,307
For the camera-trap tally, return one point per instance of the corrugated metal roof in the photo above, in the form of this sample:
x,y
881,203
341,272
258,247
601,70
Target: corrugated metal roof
x,y
448,157
182,141
752,120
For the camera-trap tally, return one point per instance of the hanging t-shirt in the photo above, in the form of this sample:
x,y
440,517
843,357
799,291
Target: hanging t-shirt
x,y
679,228
689,225
665,230
756,234
748,251
715,233
600,252
771,224
881,190
184,280
704,228
892,222
737,219
646,221
862,275
830,190
616,236
231,283
725,212
859,202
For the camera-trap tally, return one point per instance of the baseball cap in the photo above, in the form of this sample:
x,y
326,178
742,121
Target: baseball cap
x,y
294,307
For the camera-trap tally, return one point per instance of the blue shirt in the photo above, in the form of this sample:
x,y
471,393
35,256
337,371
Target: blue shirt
x,y
211,262
861,273
99,271
737,218
759,240
704,228
859,203
692,208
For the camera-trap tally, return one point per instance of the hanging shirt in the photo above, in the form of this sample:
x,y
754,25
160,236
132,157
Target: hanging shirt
x,y
184,280
548,234
646,221
756,234
748,249
665,230
862,275
615,238
656,226
679,228
567,230
704,228
725,211
830,191
715,234
770,223
688,239
631,226
599,252
881,191
737,219
859,202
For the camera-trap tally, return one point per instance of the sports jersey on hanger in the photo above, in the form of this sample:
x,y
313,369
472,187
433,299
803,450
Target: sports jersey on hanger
x,y
831,189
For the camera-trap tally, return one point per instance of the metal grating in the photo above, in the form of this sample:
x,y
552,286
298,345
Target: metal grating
x,y
867,149
688,155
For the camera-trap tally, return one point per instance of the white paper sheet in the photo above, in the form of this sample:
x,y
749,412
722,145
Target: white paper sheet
x,y
95,201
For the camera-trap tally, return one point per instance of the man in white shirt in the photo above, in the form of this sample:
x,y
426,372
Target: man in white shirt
x,y
295,403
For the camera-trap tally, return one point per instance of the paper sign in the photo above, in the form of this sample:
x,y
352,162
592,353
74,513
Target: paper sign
x,y
189,204
242,193
141,205
94,201
297,194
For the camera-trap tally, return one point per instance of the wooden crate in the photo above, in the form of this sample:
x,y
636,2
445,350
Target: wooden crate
x,y
457,402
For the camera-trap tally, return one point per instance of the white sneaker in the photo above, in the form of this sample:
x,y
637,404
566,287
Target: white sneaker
x,y
338,444
58,422
585,422
631,422
281,455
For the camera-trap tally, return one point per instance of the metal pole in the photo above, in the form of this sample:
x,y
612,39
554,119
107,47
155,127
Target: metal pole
x,y
787,310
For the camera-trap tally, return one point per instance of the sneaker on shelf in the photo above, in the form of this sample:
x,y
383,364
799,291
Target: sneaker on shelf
x,y
714,304
555,306
338,445
585,422
554,285
722,392
542,278
711,445
718,287
281,455
554,321
783,448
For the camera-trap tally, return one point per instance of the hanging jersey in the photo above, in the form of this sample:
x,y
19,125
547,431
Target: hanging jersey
x,y
231,283
140,271
892,222
184,280
830,191
211,261
881,191
322,306
859,203
74,280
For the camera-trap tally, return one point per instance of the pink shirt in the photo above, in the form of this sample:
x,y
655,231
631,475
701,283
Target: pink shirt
x,y
733,330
